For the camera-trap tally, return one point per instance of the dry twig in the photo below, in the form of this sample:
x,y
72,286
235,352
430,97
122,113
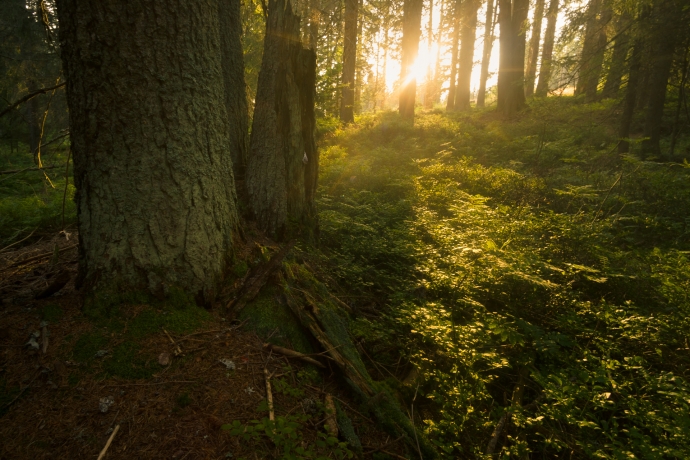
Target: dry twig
x,y
107,444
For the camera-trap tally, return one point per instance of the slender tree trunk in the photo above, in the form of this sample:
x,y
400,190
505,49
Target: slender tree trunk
x,y
439,43
630,97
466,60
282,151
429,85
235,87
597,59
155,190
412,29
533,56
658,81
32,117
314,18
486,52
589,44
511,72
359,64
450,102
621,46
679,104
347,101
547,51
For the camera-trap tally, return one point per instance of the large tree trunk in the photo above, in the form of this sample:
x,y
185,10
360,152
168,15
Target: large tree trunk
x,y
452,86
155,190
235,87
347,101
412,29
486,52
511,70
621,46
533,56
630,97
282,159
466,60
547,51
597,60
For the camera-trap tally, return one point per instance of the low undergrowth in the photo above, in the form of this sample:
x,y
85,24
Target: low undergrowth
x,y
537,280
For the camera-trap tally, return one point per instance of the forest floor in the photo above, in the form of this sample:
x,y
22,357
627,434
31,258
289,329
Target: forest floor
x,y
518,285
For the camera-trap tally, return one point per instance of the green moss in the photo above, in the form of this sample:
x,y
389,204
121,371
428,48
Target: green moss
x,y
87,345
52,313
183,400
129,362
240,268
268,313
150,321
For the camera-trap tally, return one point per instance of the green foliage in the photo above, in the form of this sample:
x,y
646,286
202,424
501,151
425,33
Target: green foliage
x,y
52,313
519,262
286,433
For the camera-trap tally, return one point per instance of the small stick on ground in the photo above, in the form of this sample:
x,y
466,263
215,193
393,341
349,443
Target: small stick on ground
x,y
293,354
178,350
107,444
269,396
44,336
331,424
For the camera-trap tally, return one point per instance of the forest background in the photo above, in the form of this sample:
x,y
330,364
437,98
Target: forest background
x,y
521,223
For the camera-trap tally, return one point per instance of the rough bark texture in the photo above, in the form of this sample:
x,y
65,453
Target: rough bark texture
x,y
547,50
452,86
235,87
511,69
533,56
591,58
621,46
486,52
282,163
347,101
466,59
412,30
155,191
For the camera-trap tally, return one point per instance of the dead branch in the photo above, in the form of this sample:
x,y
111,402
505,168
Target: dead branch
x,y
269,396
331,424
16,171
107,444
293,354
30,96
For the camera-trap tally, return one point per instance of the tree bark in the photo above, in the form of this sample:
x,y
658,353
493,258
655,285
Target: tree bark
x,y
466,60
533,56
452,86
597,59
427,100
412,29
547,51
486,52
32,117
155,191
511,71
630,97
235,87
347,101
282,156
621,46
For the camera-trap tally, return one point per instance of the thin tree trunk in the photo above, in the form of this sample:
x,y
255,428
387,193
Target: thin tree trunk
x,y
511,72
412,29
630,97
486,52
155,189
235,87
32,119
679,105
281,148
547,51
359,65
450,102
621,46
533,56
439,42
428,87
658,81
597,60
589,45
466,60
347,101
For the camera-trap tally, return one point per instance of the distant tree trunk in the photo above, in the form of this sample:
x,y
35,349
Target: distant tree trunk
x,y
411,29
32,117
235,87
347,101
359,65
533,56
547,51
429,86
314,17
436,97
679,103
630,97
155,190
621,46
486,52
597,60
282,156
511,70
466,60
450,102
